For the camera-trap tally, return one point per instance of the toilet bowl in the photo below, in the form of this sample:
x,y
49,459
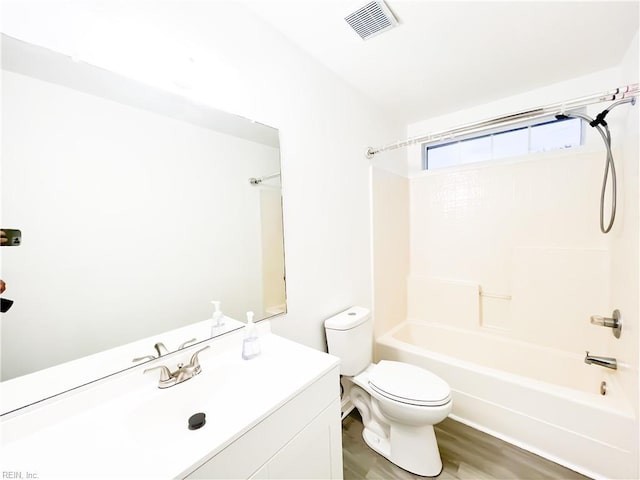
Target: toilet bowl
x,y
399,403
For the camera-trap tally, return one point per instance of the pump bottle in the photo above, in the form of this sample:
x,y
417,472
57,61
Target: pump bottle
x,y
217,319
251,342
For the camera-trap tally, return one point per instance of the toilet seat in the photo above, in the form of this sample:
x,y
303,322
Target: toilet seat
x,y
409,384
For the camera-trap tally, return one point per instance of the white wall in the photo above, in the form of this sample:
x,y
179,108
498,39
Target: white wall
x,y
125,219
244,66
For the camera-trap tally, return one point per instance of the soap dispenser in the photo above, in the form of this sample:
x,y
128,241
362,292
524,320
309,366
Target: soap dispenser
x,y
217,319
251,342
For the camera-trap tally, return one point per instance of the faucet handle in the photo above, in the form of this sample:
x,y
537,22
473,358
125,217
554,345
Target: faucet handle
x,y
614,322
146,357
161,349
165,373
184,344
195,362
604,321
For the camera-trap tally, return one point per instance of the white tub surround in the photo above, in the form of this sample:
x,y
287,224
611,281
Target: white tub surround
x,y
260,416
541,399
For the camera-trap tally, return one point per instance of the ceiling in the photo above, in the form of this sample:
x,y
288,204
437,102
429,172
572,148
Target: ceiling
x,y
449,55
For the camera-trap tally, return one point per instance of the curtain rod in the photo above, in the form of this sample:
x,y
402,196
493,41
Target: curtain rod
x,y
259,180
560,108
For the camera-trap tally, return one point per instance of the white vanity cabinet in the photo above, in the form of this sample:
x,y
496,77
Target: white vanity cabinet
x,y
275,416
301,439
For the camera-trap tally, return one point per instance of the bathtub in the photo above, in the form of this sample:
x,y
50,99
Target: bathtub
x,y
543,400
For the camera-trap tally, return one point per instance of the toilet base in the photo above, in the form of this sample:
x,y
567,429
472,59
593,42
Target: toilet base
x,y
412,448
402,433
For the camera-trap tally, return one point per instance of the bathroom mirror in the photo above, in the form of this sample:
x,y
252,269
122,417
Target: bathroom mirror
x,y
137,208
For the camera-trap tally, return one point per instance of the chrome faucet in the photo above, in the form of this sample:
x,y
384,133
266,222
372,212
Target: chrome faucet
x,y
161,349
608,362
183,373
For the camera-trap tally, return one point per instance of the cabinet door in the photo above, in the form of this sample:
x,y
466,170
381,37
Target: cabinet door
x,y
315,453
252,452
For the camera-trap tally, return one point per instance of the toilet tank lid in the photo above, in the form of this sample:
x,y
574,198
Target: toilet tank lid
x,y
348,319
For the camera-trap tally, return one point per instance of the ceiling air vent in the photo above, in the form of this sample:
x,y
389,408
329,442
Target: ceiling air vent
x,y
372,19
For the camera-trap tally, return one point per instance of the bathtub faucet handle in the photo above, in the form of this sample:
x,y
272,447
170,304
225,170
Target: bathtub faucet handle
x,y
614,322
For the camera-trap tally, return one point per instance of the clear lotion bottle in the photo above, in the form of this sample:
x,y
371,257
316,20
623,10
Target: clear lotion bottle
x,y
217,319
251,342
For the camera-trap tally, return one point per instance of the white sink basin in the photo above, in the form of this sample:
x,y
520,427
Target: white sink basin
x,y
216,391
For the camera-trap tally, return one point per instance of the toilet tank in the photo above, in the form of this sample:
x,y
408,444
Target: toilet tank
x,y
350,337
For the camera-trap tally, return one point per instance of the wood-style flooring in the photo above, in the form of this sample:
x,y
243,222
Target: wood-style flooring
x,y
467,454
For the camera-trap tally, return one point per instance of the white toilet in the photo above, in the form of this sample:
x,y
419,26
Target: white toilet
x,y
399,403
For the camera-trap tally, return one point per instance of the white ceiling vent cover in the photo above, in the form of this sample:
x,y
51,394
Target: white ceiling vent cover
x,y
372,19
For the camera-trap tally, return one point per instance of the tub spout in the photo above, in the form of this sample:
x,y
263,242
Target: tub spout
x,y
608,362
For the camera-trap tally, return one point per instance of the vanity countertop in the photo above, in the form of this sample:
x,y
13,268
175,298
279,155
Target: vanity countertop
x,y
127,427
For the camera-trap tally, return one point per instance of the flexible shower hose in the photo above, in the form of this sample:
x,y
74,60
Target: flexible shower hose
x,y
599,124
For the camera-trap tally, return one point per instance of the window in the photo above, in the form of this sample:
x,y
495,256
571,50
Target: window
x,y
539,137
